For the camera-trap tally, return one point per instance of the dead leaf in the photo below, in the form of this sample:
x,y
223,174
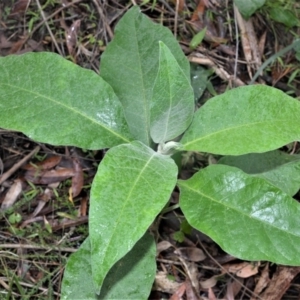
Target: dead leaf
x,y
263,281
69,223
47,177
32,220
249,42
199,11
19,7
280,282
71,36
43,199
211,294
191,253
4,42
83,206
179,293
190,292
209,283
12,195
162,246
233,288
46,164
243,270
164,284
192,273
77,179
279,72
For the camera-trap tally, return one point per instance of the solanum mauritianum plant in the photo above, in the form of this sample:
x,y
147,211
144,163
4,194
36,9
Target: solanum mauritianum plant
x,y
141,102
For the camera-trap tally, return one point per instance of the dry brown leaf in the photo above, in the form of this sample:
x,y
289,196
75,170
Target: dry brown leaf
x,y
243,270
191,253
68,223
31,220
19,7
77,179
83,206
233,288
263,281
211,294
12,195
4,42
164,284
46,164
209,283
279,72
262,43
71,36
192,273
199,11
280,282
43,199
162,246
47,177
249,42
17,46
191,294
38,208
179,293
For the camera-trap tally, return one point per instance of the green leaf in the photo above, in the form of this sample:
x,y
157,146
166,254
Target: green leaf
x,y
121,281
279,168
172,105
54,101
284,16
199,80
248,217
247,119
198,38
132,185
130,65
248,7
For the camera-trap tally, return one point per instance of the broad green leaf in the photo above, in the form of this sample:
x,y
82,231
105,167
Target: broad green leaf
x,y
172,104
247,119
284,16
130,65
54,101
279,168
132,185
199,80
248,217
248,7
121,281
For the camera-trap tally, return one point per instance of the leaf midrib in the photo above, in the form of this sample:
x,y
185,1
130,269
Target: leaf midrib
x,y
125,202
68,108
232,128
235,209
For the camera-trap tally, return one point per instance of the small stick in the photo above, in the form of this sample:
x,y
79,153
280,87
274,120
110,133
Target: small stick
x,y
18,165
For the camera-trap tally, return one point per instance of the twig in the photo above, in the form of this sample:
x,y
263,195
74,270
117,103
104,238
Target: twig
x,y
8,173
176,18
219,71
37,247
236,45
102,16
48,28
221,267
